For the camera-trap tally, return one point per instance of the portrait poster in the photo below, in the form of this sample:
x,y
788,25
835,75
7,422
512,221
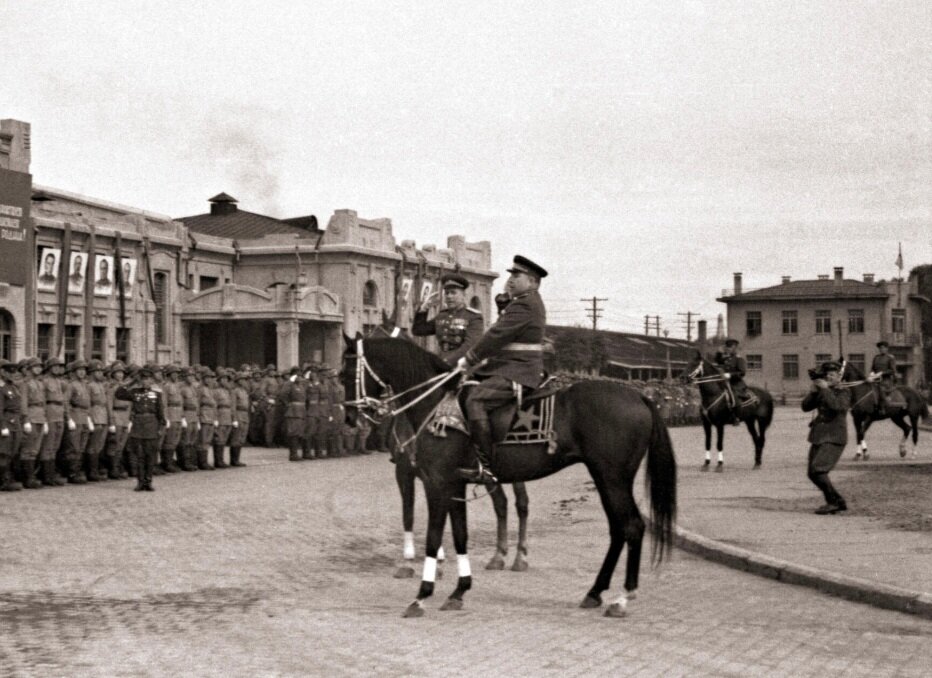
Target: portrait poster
x,y
103,276
406,285
48,269
426,288
77,267
129,277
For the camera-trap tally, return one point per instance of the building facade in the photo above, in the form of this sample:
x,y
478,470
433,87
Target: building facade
x,y
100,280
790,327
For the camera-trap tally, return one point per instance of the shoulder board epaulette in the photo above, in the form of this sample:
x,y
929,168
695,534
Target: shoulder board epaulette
x,y
474,310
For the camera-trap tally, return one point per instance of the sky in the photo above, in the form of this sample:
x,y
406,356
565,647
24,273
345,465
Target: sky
x,y
642,152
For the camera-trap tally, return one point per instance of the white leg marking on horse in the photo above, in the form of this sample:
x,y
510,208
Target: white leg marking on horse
x,y
708,456
440,554
430,569
721,457
409,546
462,565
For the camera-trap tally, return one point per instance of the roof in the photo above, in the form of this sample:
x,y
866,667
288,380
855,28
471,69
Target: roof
x,y
628,349
813,289
242,225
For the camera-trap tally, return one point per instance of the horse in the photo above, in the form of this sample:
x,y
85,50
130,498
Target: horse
x,y
606,426
756,412
865,409
406,472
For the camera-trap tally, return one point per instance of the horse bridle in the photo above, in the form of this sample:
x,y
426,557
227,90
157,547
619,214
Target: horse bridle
x,y
696,376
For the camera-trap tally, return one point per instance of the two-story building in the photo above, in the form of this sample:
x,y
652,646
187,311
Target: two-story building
x,y
787,328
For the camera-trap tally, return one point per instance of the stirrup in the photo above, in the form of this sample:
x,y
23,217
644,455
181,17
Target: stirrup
x,y
477,475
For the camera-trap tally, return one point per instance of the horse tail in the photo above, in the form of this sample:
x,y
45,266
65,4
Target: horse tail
x,y
767,417
661,483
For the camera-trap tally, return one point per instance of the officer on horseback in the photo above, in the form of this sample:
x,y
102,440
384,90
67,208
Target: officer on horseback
x,y
457,326
513,353
733,368
883,368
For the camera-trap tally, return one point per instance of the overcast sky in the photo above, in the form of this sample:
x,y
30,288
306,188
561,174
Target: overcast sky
x,y
641,151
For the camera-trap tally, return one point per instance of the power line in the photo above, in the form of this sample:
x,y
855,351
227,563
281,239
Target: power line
x,y
595,312
689,323
652,322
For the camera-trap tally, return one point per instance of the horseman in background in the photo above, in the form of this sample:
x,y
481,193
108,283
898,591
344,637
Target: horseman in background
x,y
733,368
883,368
457,326
513,351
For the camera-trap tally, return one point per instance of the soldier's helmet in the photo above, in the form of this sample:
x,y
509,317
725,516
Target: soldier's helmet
x,y
32,362
116,366
76,365
52,362
171,369
6,364
95,366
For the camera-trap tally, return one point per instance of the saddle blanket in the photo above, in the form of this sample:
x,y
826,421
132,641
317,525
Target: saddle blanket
x,y
533,422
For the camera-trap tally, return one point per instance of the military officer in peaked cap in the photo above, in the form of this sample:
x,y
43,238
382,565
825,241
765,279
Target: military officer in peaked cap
x,y
147,418
457,326
513,353
883,368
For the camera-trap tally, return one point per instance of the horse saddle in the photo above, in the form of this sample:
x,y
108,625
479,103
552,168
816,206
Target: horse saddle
x,y
526,420
895,399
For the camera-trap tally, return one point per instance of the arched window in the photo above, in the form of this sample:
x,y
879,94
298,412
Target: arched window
x,y
6,335
370,294
475,303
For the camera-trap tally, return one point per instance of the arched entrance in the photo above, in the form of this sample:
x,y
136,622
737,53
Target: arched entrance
x,y
7,333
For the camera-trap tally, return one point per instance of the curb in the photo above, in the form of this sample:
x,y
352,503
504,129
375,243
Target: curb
x,y
843,586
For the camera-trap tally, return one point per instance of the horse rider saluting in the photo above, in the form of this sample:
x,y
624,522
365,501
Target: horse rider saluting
x,y
883,368
734,368
513,353
457,326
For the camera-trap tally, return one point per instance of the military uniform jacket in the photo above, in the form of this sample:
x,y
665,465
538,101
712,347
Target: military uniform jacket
x,y
10,407
56,404
146,411
224,401
830,424
736,367
190,403
457,330
79,402
313,398
97,391
119,409
294,395
513,344
241,404
337,396
33,391
208,406
174,403
884,364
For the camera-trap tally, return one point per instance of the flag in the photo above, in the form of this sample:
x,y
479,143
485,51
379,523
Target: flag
x,y
899,258
118,279
63,264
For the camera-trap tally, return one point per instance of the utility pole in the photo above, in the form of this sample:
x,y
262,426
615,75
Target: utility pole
x,y
595,312
652,322
689,323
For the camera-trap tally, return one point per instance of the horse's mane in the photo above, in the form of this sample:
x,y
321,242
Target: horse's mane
x,y
406,360
851,372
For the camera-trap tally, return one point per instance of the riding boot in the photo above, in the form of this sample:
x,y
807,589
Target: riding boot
x,y
294,444
7,484
50,475
76,473
92,468
202,462
27,468
218,457
168,461
481,432
234,457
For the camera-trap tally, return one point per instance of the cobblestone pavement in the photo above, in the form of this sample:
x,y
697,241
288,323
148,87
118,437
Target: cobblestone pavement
x,y
285,569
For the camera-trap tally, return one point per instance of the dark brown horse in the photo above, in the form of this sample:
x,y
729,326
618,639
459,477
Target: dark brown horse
x,y
865,409
606,426
756,412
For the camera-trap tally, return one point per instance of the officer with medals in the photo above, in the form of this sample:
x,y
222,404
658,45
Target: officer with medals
x,y
457,326
147,416
513,353
883,368
828,431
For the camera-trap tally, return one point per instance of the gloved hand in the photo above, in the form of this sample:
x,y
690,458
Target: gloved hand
x,y
129,427
112,428
90,424
27,427
235,423
727,375
184,422
168,424
45,428
5,432
462,364
216,423
71,425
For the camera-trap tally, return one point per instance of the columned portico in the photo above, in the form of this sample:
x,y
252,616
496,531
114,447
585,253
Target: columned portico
x,y
287,332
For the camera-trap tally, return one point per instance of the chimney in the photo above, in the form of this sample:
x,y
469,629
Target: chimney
x,y
785,279
868,277
823,276
737,284
222,204
839,274
703,332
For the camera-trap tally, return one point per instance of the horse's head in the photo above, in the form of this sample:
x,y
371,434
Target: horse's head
x,y
362,385
850,372
695,368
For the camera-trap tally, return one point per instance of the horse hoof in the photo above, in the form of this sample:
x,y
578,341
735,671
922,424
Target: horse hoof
x,y
719,467
615,610
413,610
404,572
452,604
496,563
519,566
756,466
902,451
705,467
589,603
866,456
857,456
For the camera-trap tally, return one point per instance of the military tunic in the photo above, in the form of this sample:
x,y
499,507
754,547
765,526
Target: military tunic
x,y
79,403
56,410
33,392
147,415
10,418
241,405
99,414
457,330
207,414
174,413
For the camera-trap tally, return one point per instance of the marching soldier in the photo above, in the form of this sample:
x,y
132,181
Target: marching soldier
x,y
147,418
513,351
208,418
118,431
241,406
174,413
10,418
100,419
35,425
734,368
294,397
457,326
828,431
883,367
190,421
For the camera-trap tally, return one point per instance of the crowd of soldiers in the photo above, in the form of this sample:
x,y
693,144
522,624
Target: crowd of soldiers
x,y
63,423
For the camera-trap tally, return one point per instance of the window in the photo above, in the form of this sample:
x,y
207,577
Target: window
x,y
72,333
790,322
475,303
822,358
160,298
858,361
122,344
755,361
899,321
790,366
43,341
97,342
6,335
754,326
208,281
823,322
370,294
855,321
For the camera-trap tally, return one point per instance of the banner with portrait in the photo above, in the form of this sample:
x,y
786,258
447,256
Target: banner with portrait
x,y
47,274
406,285
426,288
129,277
103,276
77,267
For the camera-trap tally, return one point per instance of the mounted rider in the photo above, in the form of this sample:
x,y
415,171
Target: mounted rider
x,y
883,368
513,353
457,326
733,369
